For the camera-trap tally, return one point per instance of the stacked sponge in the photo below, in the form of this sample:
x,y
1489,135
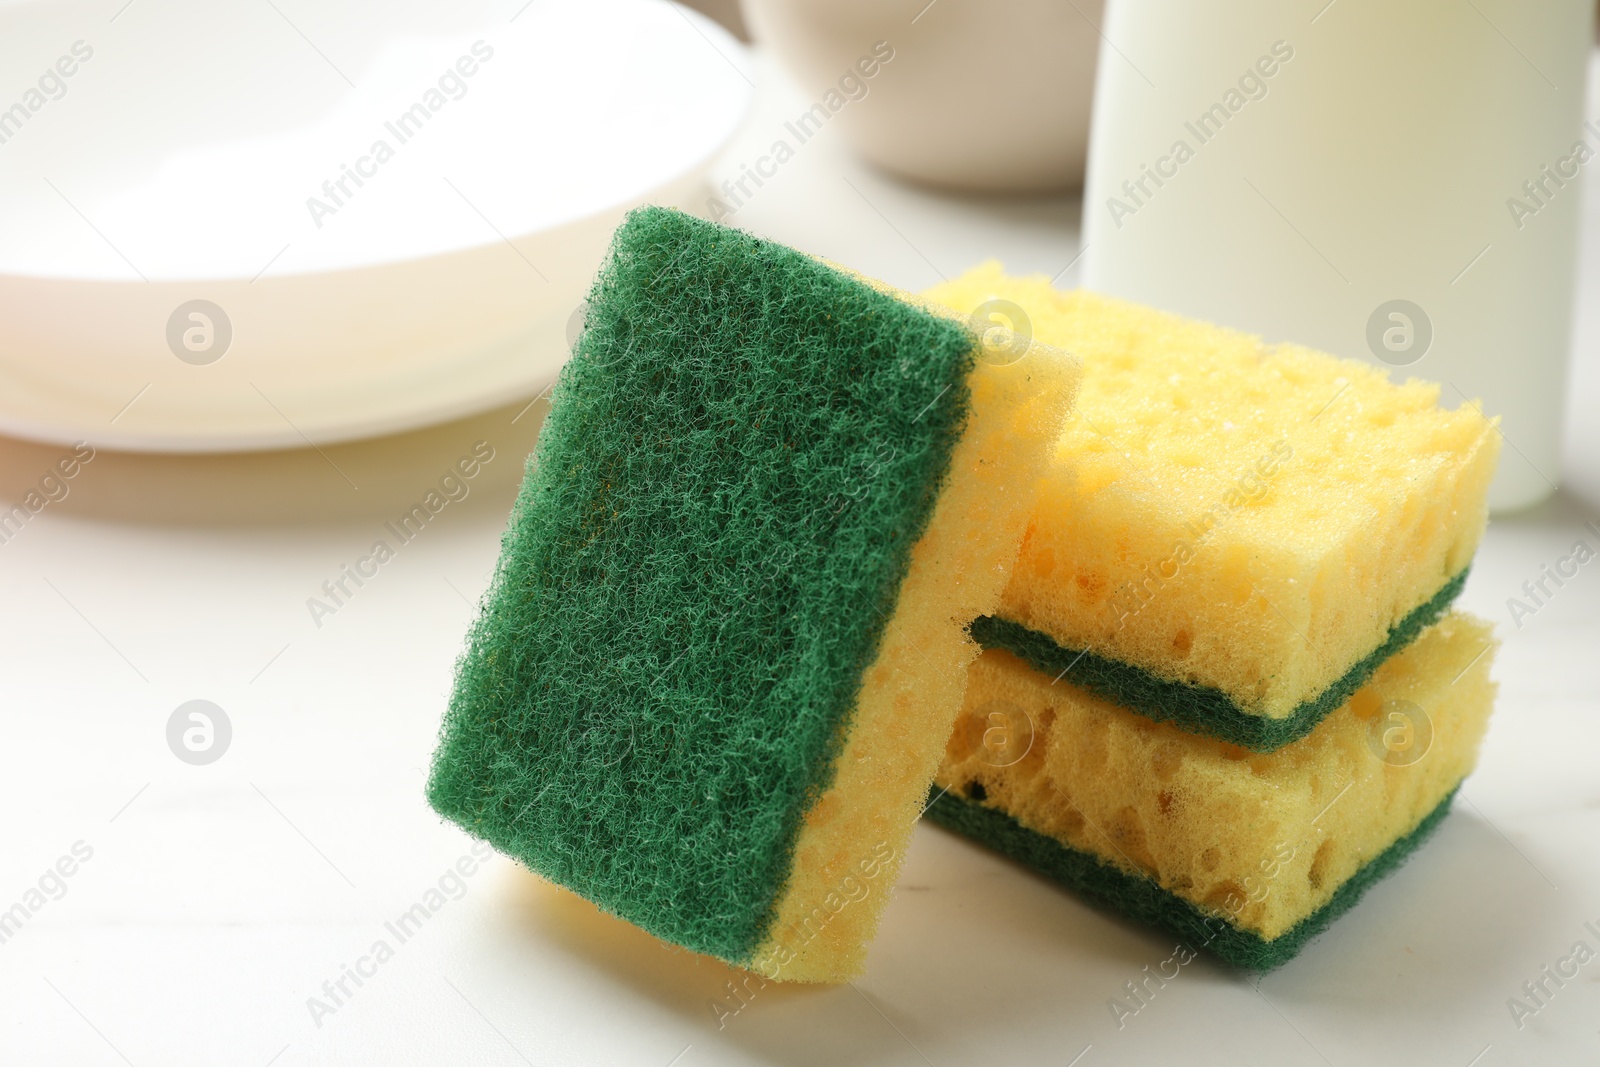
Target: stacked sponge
x,y
1223,692
1221,688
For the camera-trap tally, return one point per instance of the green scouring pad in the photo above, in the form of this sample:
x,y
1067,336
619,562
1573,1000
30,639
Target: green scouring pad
x,y
1247,855
712,677
1203,709
1144,901
1236,534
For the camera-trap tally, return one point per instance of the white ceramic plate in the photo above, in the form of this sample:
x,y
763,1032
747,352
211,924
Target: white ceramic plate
x,y
389,220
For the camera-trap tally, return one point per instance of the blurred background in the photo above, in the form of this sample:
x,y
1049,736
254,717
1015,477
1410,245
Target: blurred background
x,y
368,222
271,272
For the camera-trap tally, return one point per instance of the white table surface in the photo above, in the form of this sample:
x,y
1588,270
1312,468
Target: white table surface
x,y
219,898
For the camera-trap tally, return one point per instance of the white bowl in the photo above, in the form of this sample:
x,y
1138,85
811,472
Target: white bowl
x,y
984,95
442,283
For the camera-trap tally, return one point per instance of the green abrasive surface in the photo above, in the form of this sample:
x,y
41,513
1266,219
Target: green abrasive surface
x,y
705,551
1201,709
1142,900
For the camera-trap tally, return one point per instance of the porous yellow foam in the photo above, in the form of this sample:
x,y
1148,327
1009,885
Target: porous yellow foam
x,y
1260,840
1227,513
854,837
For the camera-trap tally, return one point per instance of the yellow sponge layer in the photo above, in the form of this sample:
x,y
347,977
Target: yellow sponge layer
x,y
1230,514
854,837
1260,840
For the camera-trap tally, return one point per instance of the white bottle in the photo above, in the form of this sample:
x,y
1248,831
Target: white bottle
x,y
1395,181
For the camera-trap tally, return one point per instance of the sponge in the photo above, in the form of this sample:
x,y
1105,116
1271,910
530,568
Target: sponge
x,y
1237,534
725,641
1248,855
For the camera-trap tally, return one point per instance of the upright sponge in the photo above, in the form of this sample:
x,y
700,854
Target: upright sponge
x,y
713,676
1244,854
1237,533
